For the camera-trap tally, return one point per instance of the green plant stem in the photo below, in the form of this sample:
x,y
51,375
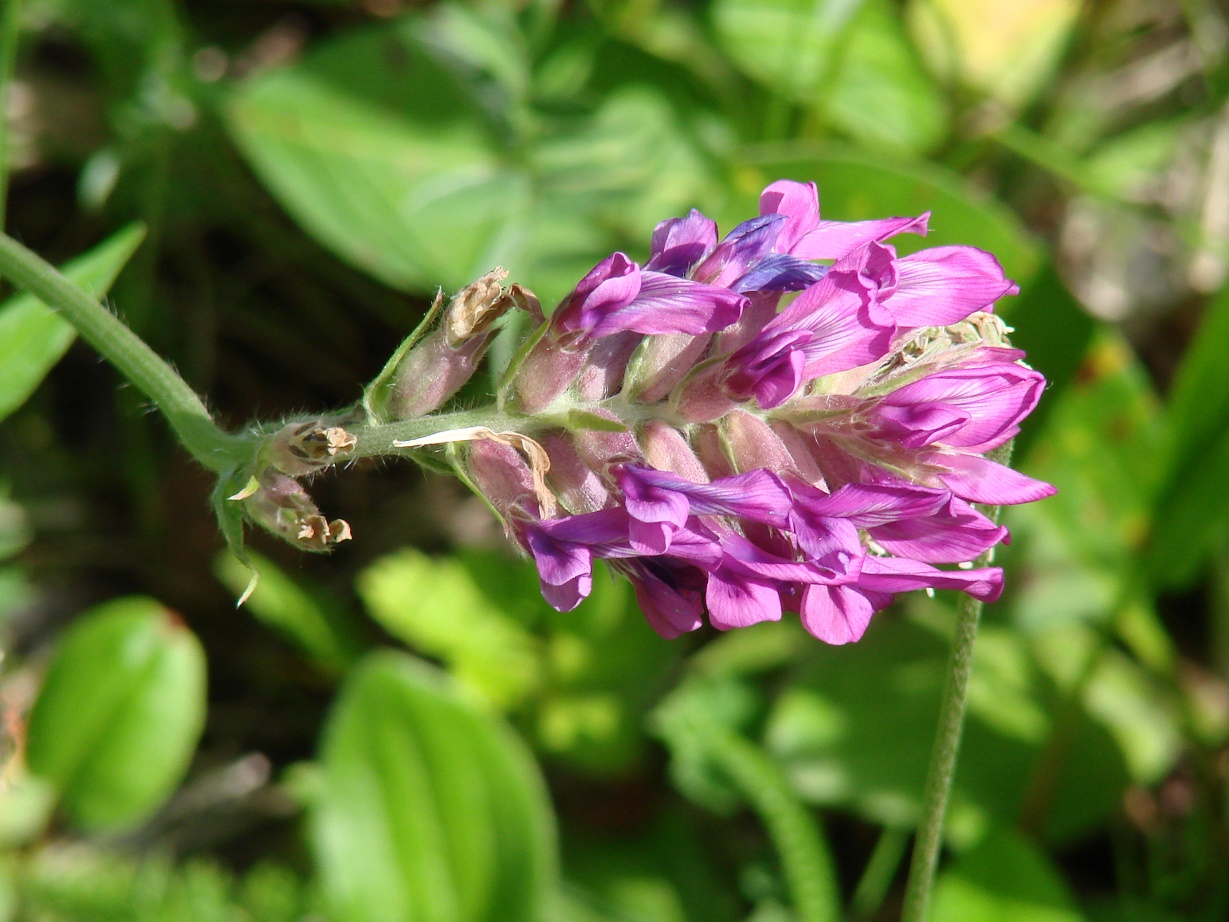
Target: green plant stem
x,y
946,746
10,21
942,762
140,365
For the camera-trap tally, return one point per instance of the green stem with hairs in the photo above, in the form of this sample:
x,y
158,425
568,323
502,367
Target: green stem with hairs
x,y
140,365
946,746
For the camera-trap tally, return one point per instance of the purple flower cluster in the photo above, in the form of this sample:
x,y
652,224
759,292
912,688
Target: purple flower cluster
x,y
792,418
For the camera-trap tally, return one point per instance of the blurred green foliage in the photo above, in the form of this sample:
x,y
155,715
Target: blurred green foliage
x,y
404,730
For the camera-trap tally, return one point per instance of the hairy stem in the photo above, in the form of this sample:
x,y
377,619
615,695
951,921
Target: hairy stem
x,y
140,365
946,746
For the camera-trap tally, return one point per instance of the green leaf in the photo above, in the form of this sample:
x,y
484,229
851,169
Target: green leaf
x,y
1191,511
407,150
848,706
429,809
33,337
120,712
304,615
376,146
435,606
1004,878
850,60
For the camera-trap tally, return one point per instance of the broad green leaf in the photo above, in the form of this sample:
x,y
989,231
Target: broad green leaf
x,y
855,186
1103,443
378,148
302,614
119,713
848,706
428,809
434,605
1004,878
33,337
405,148
848,59
1191,511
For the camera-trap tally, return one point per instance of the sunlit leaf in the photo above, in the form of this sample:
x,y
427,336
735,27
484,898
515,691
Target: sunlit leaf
x,y
299,613
1004,878
1192,506
428,809
850,705
847,59
33,337
435,606
119,713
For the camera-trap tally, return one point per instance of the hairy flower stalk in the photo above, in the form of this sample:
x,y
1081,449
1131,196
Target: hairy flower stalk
x,y
792,418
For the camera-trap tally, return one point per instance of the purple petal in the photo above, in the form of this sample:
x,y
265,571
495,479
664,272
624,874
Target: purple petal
x,y
981,480
670,596
868,505
836,614
680,243
770,367
666,304
839,560
744,245
609,287
918,425
837,239
943,285
656,513
565,570
758,495
893,574
779,272
994,397
956,533
799,202
736,600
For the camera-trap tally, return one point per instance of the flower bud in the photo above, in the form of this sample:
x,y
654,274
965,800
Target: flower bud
x,y
280,504
439,365
298,449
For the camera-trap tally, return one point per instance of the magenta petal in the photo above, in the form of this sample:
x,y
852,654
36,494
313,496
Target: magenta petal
x,y
943,285
670,596
918,425
666,304
954,534
893,574
735,600
758,496
835,614
799,202
610,286
837,239
565,570
994,397
869,504
680,243
981,480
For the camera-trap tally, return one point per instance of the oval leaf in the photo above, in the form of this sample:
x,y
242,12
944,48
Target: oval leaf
x,y
120,713
429,808
33,337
